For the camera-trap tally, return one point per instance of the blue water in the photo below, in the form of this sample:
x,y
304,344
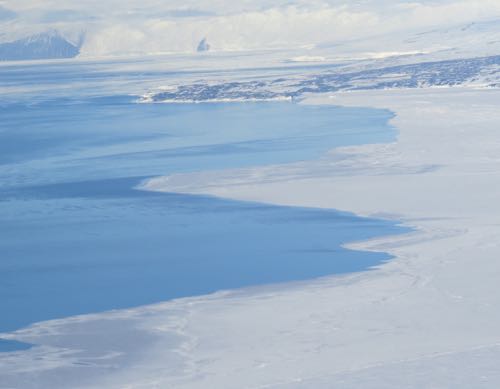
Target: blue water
x,y
12,345
77,238
63,140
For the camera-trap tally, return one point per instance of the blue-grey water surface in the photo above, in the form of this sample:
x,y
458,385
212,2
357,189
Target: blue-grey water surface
x,y
77,238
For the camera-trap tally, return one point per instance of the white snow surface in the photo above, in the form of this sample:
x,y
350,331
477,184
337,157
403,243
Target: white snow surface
x,y
430,317
427,319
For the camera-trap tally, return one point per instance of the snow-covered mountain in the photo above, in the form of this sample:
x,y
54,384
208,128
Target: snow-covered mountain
x,y
49,45
149,27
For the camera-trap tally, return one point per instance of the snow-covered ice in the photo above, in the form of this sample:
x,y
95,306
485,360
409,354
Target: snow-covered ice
x,y
437,300
427,319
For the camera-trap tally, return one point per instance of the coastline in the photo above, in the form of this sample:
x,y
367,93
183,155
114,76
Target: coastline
x,y
133,248
431,309
437,298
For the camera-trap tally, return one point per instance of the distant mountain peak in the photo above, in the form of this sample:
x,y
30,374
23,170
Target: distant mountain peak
x,y
203,46
43,37
47,45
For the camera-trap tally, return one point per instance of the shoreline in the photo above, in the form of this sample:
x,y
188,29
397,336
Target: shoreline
x,y
438,177
430,309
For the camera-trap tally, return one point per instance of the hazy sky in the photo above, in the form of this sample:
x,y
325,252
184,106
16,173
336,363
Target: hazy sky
x,y
125,26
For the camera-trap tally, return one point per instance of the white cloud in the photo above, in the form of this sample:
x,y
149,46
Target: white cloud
x,y
421,14
128,26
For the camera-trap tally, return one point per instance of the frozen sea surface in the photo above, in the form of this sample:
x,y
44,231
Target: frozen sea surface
x,y
77,238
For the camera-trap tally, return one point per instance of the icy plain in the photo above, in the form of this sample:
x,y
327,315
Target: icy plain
x,y
428,318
